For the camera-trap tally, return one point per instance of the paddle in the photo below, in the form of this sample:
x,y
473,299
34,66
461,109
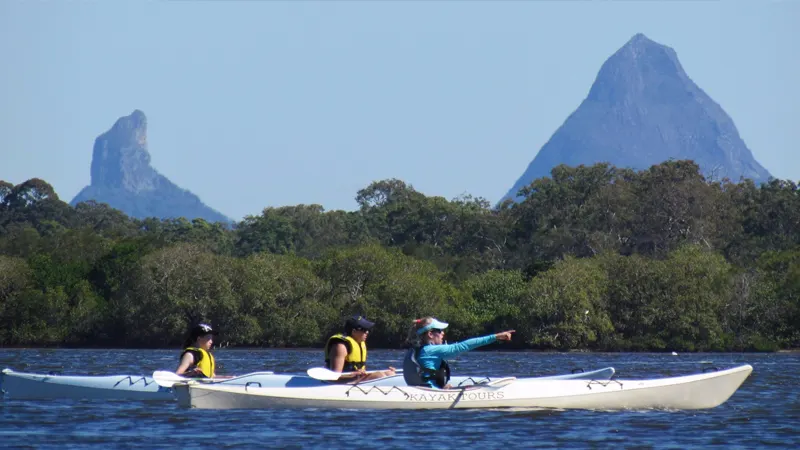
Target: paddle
x,y
167,379
323,374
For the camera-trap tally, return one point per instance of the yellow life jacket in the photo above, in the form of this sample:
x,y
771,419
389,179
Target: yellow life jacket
x,y
205,364
356,352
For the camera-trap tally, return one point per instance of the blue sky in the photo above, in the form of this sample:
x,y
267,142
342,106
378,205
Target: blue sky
x,y
265,103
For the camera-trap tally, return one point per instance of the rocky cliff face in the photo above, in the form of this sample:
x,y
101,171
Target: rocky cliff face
x,y
123,178
120,158
643,109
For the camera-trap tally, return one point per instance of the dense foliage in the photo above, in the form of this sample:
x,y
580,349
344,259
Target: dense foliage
x,y
594,258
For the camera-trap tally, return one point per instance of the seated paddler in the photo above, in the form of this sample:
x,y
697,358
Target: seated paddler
x,y
425,362
346,352
196,359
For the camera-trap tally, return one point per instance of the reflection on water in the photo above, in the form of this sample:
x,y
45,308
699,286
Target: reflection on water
x,y
765,412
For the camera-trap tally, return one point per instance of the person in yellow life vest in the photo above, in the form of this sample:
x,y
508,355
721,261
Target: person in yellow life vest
x,y
347,352
196,359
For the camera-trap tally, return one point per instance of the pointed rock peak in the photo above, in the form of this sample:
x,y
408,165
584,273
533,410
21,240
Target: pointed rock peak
x,y
123,177
641,67
136,122
120,157
642,53
643,109
137,118
639,40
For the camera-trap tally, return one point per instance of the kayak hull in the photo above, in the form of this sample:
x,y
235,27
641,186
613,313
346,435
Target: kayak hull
x,y
699,391
33,386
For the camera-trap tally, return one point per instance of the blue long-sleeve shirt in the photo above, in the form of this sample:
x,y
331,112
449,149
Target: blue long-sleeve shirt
x,y
431,356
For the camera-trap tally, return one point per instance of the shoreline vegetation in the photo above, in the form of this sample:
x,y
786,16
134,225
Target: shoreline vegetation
x,y
595,258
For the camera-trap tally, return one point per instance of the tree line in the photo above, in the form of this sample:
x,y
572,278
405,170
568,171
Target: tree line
x,y
593,257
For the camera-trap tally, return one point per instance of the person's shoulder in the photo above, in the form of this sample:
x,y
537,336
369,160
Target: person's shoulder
x,y
338,337
430,349
197,354
339,340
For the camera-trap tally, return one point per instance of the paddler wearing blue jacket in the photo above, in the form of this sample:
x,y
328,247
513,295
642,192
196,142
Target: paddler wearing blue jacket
x,y
425,363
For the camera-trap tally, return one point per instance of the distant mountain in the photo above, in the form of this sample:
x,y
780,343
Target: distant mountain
x,y
123,178
643,110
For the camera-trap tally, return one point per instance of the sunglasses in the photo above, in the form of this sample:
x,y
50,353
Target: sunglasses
x,y
437,331
365,330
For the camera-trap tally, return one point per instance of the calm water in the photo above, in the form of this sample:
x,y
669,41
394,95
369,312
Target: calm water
x,y
764,413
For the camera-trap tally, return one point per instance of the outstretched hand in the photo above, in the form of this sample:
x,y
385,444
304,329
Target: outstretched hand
x,y
504,336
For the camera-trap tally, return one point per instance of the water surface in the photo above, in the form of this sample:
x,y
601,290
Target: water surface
x,y
763,413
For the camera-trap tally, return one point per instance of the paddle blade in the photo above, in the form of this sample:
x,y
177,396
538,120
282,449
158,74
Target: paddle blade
x,y
167,379
323,374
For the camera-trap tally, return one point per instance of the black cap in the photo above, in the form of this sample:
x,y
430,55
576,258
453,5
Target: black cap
x,y
359,322
202,329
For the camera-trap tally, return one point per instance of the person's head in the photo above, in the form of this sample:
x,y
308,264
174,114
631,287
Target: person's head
x,y
429,330
202,336
358,327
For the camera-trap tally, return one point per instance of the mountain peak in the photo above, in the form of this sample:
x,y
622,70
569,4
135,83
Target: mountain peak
x,y
123,177
135,121
641,50
132,127
639,40
120,158
640,67
641,110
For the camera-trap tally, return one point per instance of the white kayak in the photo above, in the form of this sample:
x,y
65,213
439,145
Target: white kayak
x,y
704,390
31,386
24,385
